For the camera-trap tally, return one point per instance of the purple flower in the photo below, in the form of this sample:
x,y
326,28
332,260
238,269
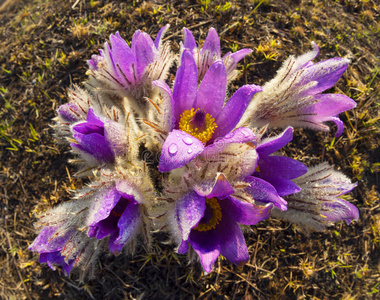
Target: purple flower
x,y
124,67
99,139
74,233
278,170
210,52
210,223
117,215
293,97
317,205
199,115
50,246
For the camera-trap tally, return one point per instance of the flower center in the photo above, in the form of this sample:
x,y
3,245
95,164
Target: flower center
x,y
212,216
198,123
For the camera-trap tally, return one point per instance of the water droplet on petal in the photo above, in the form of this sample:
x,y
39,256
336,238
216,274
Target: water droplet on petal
x,y
189,151
187,141
173,148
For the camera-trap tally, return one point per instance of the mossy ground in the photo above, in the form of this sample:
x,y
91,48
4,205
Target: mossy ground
x,y
44,45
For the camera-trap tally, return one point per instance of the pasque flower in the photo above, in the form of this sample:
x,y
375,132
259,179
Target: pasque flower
x,y
199,117
207,215
210,224
318,204
117,215
98,138
210,52
108,211
293,97
122,66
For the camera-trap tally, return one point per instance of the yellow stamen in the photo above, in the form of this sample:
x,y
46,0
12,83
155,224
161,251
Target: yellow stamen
x,y
216,215
187,124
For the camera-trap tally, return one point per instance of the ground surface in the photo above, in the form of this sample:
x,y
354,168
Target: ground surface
x,y
43,50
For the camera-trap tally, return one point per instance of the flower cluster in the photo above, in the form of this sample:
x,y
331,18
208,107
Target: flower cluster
x,y
185,158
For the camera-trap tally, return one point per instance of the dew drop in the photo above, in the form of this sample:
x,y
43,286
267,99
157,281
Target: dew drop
x,y
187,141
189,151
173,148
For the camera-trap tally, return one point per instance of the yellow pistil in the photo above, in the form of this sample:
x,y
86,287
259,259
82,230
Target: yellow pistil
x,y
201,129
216,215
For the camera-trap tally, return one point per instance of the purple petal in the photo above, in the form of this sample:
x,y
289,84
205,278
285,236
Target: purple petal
x,y
212,43
338,122
281,167
70,112
212,89
128,223
96,145
143,49
331,105
234,248
179,148
270,145
326,73
114,134
123,57
189,211
238,55
284,187
207,257
56,258
159,36
185,85
340,210
188,40
246,213
262,191
207,245
234,109
327,107
102,206
47,242
183,247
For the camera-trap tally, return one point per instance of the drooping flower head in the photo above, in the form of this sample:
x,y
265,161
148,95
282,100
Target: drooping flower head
x,y
293,97
317,205
210,52
199,114
108,211
98,140
116,215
